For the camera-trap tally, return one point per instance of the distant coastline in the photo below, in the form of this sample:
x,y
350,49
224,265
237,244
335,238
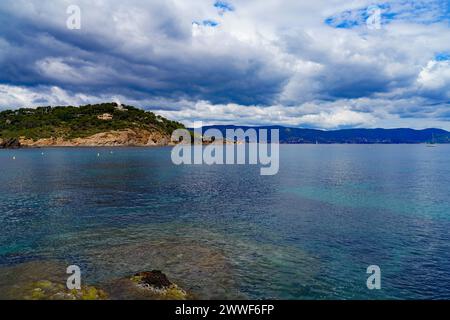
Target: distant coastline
x,y
349,136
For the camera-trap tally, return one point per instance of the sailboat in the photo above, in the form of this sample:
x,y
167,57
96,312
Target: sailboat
x,y
432,143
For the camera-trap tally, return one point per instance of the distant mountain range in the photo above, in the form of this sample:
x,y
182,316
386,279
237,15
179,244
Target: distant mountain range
x,y
351,136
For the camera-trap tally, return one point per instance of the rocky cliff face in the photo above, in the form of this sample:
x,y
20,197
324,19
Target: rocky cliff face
x,y
9,143
127,137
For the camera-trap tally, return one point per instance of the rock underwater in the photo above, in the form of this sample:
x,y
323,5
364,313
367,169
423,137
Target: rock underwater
x,y
152,285
47,290
46,280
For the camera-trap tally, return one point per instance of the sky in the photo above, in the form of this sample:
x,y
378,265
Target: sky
x,y
323,64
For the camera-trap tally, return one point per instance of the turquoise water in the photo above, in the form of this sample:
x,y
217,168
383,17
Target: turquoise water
x,y
309,232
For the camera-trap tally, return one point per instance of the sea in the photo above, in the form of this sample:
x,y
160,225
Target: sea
x,y
227,232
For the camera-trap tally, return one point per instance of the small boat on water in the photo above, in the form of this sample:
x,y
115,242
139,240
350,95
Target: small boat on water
x,y
432,143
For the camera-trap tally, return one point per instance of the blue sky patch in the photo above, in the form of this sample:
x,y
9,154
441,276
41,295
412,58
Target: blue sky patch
x,y
210,23
223,6
443,56
207,23
422,11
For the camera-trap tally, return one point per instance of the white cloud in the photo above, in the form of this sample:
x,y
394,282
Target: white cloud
x,y
435,77
21,97
309,115
339,118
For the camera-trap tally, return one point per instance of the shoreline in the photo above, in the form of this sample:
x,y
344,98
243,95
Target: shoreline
x,y
126,137
25,147
86,147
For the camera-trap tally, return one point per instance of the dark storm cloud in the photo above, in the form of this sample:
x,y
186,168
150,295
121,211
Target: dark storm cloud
x,y
96,62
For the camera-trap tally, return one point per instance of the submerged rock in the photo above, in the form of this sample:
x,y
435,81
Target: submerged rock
x,y
46,280
157,283
199,267
47,290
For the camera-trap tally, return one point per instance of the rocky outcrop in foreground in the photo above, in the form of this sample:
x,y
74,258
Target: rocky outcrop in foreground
x,y
47,290
146,285
159,285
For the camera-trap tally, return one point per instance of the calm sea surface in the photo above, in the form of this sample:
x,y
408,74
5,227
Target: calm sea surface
x,y
309,232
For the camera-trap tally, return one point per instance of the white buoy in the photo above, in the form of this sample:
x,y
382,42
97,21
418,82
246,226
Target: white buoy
x,y
98,154
14,157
